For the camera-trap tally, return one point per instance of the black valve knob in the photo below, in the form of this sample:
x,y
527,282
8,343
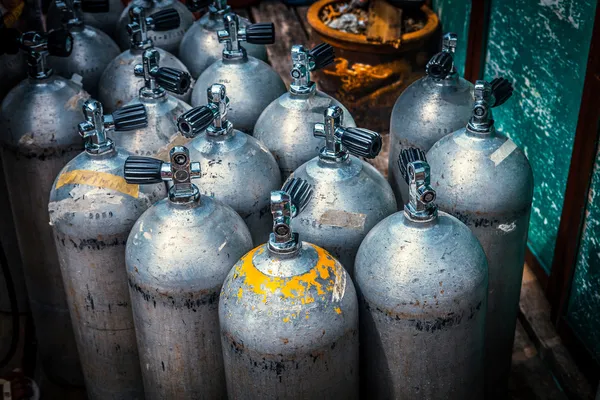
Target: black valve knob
x,y
95,6
362,142
165,20
142,170
195,121
323,55
263,33
300,192
407,156
130,117
173,80
502,89
9,42
197,5
440,65
60,43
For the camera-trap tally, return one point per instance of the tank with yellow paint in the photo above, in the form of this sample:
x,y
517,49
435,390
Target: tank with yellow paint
x,y
289,326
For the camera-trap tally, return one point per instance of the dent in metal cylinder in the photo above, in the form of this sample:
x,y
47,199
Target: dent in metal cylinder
x,y
487,183
289,327
422,291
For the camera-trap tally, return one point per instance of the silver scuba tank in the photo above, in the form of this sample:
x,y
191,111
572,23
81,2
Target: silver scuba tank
x,y
92,51
421,276
162,108
237,169
486,181
118,86
167,40
350,196
429,109
252,83
38,120
200,45
92,210
286,125
178,255
101,14
289,316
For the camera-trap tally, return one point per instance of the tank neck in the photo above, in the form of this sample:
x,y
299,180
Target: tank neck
x,y
37,66
481,123
421,207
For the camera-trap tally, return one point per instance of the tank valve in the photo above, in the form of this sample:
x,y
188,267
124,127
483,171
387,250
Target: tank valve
x,y
158,79
340,140
139,25
233,35
415,169
148,170
70,11
285,205
488,95
212,117
441,65
38,46
93,130
305,61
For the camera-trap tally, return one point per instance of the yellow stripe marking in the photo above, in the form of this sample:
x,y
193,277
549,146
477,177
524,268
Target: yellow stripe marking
x,y
97,179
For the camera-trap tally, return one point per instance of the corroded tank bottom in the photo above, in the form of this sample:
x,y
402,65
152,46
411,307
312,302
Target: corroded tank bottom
x,y
30,179
179,342
405,357
327,373
95,280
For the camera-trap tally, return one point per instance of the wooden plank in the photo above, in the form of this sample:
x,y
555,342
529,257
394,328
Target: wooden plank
x,y
535,317
578,182
289,31
476,42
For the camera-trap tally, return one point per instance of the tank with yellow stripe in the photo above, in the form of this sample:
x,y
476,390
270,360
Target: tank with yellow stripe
x,y
289,326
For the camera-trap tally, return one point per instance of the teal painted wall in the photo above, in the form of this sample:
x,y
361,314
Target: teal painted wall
x,y
454,15
542,47
583,313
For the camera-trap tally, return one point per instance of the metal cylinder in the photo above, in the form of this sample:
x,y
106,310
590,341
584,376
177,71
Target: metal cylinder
x,y
252,83
178,255
168,40
93,50
39,136
237,169
429,109
486,181
422,283
351,196
200,45
92,211
105,21
289,319
286,125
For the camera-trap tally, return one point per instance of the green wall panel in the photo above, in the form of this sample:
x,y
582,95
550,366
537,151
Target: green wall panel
x,y
542,47
454,16
583,312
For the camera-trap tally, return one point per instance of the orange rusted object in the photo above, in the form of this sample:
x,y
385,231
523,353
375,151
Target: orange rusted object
x,y
359,42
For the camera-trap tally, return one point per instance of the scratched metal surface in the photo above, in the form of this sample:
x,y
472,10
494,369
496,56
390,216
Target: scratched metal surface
x,y
542,48
454,15
582,313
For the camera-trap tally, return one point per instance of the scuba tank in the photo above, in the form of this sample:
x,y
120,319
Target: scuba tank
x,y
200,45
167,40
428,110
237,169
252,83
286,125
92,210
92,48
421,277
486,181
101,14
350,196
118,86
162,108
289,316
178,255
39,120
